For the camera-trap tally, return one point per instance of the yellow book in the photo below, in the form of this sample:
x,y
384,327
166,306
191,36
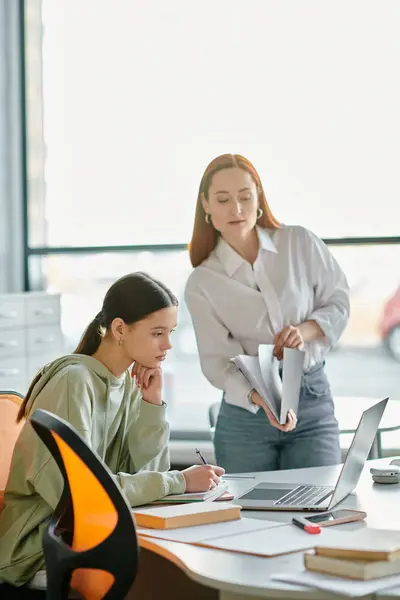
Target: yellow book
x,y
351,569
364,544
185,515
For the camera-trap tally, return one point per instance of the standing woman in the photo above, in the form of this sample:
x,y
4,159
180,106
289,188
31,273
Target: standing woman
x,y
255,282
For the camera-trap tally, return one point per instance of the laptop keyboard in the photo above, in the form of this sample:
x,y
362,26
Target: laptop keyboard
x,y
305,495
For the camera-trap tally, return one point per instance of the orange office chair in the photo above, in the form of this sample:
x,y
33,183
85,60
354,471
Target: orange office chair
x,y
90,543
10,403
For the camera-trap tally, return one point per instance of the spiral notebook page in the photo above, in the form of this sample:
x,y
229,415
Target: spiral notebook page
x,y
208,496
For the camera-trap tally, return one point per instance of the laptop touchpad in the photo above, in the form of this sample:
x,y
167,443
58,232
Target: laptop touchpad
x,y
261,493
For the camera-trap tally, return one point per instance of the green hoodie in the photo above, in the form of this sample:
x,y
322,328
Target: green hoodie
x,y
129,434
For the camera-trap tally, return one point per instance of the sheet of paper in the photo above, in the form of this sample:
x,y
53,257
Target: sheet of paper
x,y
200,533
262,372
250,367
293,365
208,496
339,585
270,542
269,368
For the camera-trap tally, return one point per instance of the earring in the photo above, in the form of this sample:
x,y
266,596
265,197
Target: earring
x,y
260,212
120,341
207,219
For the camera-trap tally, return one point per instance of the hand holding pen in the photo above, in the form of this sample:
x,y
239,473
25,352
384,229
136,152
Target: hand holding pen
x,y
201,478
240,476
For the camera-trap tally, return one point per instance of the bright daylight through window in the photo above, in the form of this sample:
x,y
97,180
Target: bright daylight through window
x,y
139,96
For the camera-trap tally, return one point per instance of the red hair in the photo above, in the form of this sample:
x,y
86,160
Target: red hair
x,y
205,237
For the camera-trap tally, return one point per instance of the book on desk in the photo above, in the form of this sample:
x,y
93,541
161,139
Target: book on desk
x,y
364,554
186,515
351,569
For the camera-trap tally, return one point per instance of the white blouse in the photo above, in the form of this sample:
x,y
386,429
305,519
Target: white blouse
x,y
236,306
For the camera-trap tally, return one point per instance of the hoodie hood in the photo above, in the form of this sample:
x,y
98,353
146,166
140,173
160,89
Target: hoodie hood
x,y
51,369
107,381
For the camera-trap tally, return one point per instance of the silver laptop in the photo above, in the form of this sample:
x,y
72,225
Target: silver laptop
x,y
287,496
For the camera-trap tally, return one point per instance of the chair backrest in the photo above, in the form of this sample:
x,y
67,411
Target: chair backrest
x,y
10,402
102,555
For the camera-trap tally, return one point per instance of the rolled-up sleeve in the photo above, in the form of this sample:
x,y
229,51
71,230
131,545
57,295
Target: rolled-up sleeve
x,y
146,454
331,290
216,347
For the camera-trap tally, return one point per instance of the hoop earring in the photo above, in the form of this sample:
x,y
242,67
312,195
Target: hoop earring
x,y
260,212
207,219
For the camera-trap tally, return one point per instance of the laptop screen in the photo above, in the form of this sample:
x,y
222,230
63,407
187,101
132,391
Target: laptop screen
x,y
358,451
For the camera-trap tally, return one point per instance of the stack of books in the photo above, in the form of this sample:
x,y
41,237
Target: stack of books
x,y
366,554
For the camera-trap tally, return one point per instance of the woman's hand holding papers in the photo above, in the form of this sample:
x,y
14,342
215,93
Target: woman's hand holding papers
x,y
291,418
295,336
289,337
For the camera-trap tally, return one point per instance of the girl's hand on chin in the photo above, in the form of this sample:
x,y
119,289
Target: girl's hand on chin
x,y
149,381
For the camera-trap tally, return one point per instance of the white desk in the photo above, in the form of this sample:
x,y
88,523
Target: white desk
x,y
234,576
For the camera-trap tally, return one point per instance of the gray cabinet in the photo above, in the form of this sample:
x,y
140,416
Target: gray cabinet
x,y
30,336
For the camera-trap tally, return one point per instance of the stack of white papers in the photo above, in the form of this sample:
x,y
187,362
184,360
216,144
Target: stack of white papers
x,y
200,534
339,585
249,536
262,372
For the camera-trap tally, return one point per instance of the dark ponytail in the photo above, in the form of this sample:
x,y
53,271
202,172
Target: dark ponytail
x,y
92,337
89,343
22,409
131,298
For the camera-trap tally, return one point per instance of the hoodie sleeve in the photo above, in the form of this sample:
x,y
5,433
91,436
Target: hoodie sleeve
x,y
69,398
147,446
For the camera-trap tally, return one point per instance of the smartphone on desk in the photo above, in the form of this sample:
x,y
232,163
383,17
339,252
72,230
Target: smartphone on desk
x,y
336,517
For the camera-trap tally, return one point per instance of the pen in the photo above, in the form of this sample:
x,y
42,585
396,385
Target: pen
x,y
306,525
201,457
238,477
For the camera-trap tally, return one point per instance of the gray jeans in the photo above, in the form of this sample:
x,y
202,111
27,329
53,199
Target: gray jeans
x,y
246,442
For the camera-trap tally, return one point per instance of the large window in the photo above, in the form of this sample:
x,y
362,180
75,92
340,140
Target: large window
x,y
140,96
128,101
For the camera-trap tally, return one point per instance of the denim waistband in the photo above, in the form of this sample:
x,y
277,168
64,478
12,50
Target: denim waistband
x,y
317,367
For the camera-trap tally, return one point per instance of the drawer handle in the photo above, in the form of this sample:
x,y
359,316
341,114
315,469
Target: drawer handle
x,y
9,315
44,312
44,340
10,344
5,372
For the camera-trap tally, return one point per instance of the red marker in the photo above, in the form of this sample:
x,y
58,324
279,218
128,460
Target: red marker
x,y
306,525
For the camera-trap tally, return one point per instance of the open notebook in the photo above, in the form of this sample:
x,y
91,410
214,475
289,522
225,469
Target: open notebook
x,y
262,372
195,496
